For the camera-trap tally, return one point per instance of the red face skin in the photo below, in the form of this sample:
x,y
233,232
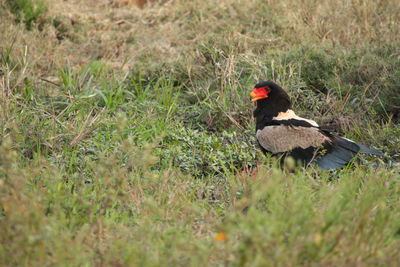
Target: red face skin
x,y
260,93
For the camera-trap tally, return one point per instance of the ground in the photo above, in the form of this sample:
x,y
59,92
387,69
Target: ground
x,y
127,137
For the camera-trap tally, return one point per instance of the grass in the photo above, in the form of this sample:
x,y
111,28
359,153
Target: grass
x,y
127,135
27,11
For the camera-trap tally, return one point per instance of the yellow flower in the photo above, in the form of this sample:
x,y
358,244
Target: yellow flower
x,y
222,236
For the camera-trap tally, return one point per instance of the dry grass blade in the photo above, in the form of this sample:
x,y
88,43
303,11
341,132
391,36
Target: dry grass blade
x,y
87,127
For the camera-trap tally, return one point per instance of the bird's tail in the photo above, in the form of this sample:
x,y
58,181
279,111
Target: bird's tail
x,y
364,149
369,151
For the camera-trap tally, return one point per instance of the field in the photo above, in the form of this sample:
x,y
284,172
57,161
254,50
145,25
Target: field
x,y
127,137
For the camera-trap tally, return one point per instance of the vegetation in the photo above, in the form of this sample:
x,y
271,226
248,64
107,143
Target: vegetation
x,y
27,11
127,138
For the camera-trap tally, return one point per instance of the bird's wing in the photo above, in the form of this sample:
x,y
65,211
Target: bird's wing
x,y
283,138
336,151
366,150
339,152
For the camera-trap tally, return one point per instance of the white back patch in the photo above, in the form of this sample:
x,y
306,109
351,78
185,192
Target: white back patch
x,y
291,115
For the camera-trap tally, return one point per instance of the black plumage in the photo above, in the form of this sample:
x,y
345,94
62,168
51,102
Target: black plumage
x,y
280,131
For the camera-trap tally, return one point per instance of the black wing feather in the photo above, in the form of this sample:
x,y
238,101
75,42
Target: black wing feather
x,y
340,152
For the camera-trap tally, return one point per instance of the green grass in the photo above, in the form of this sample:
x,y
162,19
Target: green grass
x,y
146,165
27,11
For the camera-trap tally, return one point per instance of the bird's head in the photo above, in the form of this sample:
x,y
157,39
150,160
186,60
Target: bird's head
x,y
270,98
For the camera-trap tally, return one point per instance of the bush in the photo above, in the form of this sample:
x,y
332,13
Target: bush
x,y
201,153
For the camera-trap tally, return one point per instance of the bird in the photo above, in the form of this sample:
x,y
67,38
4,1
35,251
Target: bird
x,y
279,131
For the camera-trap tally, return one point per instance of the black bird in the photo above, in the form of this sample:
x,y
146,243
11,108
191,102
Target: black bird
x,y
280,131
